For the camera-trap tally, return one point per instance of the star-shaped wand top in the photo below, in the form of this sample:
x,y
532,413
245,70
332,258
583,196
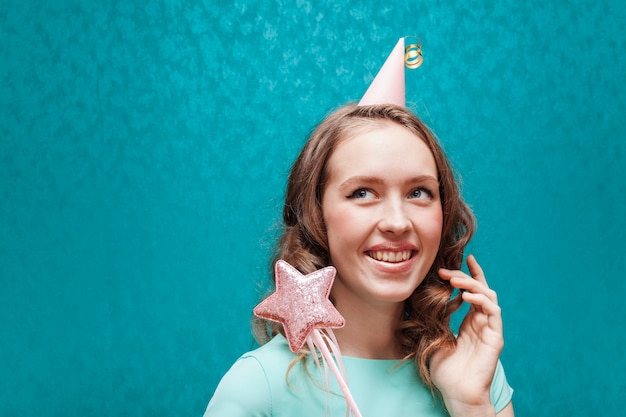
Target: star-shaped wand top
x,y
300,303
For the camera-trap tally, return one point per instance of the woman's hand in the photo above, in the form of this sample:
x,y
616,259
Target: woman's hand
x,y
463,374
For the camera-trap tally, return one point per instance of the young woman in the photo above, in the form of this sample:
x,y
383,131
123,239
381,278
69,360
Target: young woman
x,y
373,195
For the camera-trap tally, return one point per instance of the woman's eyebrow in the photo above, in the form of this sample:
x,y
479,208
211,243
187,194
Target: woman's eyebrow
x,y
360,180
422,179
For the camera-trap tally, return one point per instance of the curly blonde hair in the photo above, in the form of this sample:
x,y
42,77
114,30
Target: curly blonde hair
x,y
425,327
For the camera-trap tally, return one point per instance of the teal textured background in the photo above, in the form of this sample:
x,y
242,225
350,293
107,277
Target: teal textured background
x,y
144,150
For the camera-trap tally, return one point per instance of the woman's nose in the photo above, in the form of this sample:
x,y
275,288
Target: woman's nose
x,y
394,218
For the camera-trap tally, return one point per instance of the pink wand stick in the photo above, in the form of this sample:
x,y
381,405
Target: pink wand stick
x,y
321,344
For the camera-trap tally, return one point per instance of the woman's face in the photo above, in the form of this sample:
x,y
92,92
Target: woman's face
x,y
383,215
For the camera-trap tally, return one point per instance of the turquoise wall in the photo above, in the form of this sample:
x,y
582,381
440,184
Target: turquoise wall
x,y
144,149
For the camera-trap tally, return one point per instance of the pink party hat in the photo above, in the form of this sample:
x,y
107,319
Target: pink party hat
x,y
388,85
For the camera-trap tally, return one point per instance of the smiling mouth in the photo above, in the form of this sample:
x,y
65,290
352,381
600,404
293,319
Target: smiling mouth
x,y
390,256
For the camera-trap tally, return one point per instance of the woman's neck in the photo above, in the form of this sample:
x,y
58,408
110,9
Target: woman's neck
x,y
370,332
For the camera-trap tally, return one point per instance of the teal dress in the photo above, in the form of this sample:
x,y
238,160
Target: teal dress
x,y
258,385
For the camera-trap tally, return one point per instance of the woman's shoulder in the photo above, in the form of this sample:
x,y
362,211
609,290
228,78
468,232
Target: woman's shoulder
x,y
252,381
265,364
276,350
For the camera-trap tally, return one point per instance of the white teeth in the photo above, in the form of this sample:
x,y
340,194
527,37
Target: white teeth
x,y
392,257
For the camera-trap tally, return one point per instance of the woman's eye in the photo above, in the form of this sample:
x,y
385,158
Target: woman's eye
x,y
420,193
360,193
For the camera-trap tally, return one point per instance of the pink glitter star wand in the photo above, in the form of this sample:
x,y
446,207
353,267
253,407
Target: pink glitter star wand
x,y
301,304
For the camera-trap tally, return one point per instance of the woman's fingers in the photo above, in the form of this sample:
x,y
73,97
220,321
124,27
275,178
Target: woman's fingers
x,y
483,301
476,284
475,269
